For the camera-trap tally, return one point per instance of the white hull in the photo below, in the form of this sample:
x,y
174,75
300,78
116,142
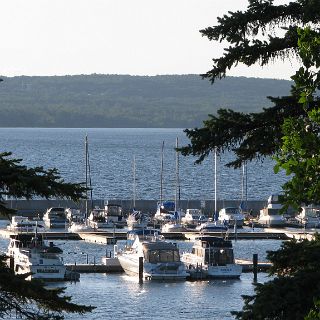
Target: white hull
x,y
157,271
44,272
272,221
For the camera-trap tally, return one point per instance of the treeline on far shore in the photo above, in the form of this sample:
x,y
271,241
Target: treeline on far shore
x,y
164,101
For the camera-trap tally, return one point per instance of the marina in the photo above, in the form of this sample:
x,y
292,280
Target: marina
x,y
103,283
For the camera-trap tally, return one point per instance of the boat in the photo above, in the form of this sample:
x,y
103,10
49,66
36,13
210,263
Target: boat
x,y
33,258
193,217
137,220
55,217
309,217
212,227
212,257
23,224
165,212
173,227
231,216
161,259
97,219
114,215
270,216
74,215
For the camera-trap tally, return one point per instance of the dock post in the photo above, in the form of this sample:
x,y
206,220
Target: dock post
x,y
140,269
11,263
235,231
255,266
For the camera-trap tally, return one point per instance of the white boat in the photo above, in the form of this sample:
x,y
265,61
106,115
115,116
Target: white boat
x,y
161,259
193,217
165,212
97,219
231,216
173,227
137,220
213,257
74,215
114,214
212,227
55,217
32,257
23,224
309,217
79,226
270,216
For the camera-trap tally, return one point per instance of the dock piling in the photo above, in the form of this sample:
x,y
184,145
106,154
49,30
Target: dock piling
x,y
140,269
255,266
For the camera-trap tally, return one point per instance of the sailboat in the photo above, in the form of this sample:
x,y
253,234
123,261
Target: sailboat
x,y
215,225
136,219
175,225
81,224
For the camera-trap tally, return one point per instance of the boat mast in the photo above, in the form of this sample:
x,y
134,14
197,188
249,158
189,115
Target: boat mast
x,y
134,182
86,160
161,173
215,183
177,193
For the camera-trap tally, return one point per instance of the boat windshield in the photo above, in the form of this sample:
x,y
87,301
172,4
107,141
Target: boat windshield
x,y
155,256
232,210
114,211
219,257
273,212
312,212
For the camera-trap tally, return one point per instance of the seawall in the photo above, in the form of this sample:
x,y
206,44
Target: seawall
x,y
38,207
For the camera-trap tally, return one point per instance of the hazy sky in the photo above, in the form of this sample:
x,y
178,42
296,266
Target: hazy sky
x,y
137,37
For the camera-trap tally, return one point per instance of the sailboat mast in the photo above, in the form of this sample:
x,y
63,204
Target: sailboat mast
x,y
215,183
86,160
134,182
161,173
177,194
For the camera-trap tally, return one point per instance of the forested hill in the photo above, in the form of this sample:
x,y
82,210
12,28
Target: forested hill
x,y
179,101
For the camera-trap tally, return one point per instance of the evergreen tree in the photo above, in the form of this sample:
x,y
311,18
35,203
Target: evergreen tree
x,y
252,35
30,299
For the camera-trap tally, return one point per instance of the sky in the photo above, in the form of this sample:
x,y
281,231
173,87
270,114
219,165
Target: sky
x,y
136,37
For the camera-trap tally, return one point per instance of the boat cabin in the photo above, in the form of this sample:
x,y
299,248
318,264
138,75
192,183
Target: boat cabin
x,y
160,252
214,251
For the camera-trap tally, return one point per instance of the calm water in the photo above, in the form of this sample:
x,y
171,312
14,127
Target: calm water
x,y
111,160
118,296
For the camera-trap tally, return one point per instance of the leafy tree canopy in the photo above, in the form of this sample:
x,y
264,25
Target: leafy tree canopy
x,y
261,34
296,283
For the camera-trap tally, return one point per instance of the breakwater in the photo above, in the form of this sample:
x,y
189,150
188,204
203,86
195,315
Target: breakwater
x,y
38,207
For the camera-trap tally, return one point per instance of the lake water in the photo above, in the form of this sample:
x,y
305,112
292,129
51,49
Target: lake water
x,y
118,296
111,161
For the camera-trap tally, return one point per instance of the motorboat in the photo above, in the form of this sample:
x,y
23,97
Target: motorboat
x,y
97,219
231,216
137,220
79,226
110,216
33,258
212,227
23,224
166,212
193,217
309,217
270,216
213,257
74,215
161,259
173,227
114,215
55,217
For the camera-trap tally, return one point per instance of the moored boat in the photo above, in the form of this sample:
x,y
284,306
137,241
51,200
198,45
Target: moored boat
x,y
161,259
309,217
271,215
212,257
33,258
231,216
